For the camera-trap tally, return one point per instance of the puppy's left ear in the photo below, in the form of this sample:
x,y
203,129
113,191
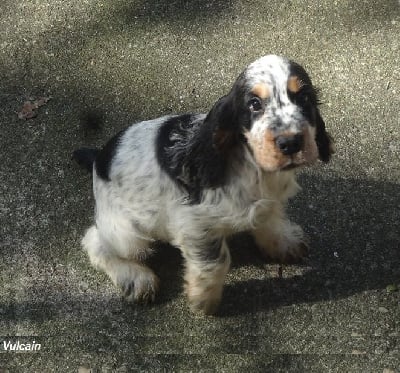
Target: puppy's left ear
x,y
324,140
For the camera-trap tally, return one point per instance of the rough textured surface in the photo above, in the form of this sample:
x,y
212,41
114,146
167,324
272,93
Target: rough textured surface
x,y
133,60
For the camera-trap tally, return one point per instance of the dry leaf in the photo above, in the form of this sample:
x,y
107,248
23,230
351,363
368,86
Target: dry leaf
x,y
29,109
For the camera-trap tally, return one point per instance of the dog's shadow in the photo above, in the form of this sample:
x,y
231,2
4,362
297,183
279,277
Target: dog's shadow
x,y
351,225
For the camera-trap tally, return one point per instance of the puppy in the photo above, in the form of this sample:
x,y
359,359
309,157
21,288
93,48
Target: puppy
x,y
194,179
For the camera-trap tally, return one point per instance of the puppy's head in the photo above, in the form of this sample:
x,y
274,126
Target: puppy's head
x,y
274,107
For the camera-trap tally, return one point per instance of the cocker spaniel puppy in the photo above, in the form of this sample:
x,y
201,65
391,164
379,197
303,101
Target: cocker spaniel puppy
x,y
194,179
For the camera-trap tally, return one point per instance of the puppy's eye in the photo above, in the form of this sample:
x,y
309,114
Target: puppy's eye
x,y
255,104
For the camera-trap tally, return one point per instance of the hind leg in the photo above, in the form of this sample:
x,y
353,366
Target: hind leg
x,y
137,281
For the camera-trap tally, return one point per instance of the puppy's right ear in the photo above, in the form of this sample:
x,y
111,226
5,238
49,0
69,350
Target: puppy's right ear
x,y
223,120
222,113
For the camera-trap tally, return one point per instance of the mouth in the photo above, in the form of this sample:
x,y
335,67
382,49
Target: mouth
x,y
292,164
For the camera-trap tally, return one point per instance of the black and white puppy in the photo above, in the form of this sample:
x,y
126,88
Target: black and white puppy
x,y
194,179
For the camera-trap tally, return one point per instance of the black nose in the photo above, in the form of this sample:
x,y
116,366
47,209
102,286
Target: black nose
x,y
289,144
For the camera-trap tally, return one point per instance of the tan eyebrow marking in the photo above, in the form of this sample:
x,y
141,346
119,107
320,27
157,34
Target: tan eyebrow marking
x,y
294,84
261,90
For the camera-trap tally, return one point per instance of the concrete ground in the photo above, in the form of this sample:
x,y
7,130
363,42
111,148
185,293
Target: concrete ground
x,y
130,60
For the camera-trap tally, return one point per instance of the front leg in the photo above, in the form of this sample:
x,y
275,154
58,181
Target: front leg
x,y
279,239
206,267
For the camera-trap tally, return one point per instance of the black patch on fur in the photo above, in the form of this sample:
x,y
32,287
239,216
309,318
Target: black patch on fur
x,y
85,157
105,156
188,150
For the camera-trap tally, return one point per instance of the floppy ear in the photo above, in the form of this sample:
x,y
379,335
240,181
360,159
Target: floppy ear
x,y
223,120
222,114
323,139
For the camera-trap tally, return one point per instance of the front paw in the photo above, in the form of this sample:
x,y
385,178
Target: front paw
x,y
291,254
286,246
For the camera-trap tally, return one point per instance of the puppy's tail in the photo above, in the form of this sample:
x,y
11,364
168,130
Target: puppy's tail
x,y
85,157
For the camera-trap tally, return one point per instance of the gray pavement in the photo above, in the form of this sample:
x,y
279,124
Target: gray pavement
x,y
134,60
